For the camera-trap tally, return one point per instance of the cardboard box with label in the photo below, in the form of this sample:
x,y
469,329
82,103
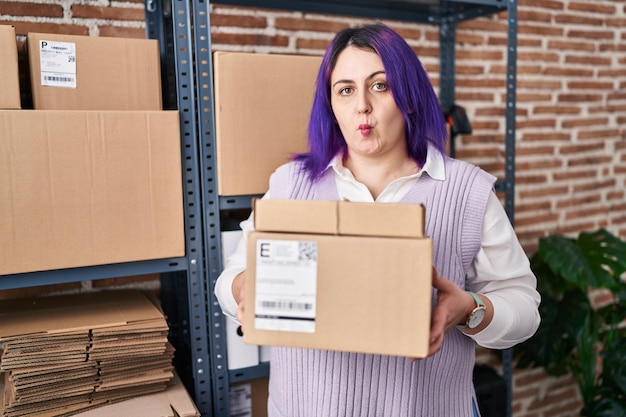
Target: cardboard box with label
x,y
70,72
339,276
9,72
81,188
262,108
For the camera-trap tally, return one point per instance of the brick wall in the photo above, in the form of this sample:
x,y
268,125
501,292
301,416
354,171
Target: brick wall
x,y
571,112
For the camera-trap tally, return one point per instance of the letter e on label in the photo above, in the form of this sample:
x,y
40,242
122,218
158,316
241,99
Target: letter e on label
x,y
264,250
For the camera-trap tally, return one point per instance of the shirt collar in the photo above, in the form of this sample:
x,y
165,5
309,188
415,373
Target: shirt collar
x,y
434,165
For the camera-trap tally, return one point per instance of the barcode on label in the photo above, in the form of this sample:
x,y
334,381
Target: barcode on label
x,y
58,79
286,305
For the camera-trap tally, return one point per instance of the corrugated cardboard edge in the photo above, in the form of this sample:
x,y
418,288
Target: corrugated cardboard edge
x,y
9,71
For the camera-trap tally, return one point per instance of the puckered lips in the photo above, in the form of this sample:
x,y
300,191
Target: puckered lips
x,y
365,129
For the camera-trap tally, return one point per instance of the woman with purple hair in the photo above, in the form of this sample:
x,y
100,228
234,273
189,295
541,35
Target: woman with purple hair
x,y
377,134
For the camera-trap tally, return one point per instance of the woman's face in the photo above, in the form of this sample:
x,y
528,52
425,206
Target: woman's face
x,y
370,121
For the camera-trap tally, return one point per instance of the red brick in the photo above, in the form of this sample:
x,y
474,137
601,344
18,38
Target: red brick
x,y
122,32
528,15
542,150
312,44
539,84
249,39
110,13
526,43
595,60
241,21
565,19
483,24
536,218
591,34
535,122
592,7
542,165
560,45
545,191
547,136
594,186
544,4
559,109
599,134
579,98
533,97
537,56
578,202
559,71
578,122
569,175
10,8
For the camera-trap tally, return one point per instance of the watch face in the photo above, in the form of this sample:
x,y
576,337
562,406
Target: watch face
x,y
476,318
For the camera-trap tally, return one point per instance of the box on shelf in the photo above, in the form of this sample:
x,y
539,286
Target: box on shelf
x,y
262,108
339,276
82,188
9,73
249,399
70,72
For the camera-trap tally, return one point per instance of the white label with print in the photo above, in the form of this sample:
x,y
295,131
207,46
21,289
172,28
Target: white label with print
x,y
286,285
58,64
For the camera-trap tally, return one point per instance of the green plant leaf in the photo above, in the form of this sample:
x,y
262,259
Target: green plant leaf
x,y
605,255
604,407
614,366
561,325
566,260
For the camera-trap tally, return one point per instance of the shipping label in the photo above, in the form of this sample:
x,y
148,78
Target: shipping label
x,y
286,285
58,64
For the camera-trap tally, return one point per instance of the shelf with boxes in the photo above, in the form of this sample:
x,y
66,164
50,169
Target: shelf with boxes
x,y
101,179
190,69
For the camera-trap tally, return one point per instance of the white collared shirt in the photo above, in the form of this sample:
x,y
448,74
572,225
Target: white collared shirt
x,y
501,269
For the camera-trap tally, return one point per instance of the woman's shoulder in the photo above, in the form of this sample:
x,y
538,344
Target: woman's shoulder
x,y
458,167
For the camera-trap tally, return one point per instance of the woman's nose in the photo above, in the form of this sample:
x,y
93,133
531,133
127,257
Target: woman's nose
x,y
364,105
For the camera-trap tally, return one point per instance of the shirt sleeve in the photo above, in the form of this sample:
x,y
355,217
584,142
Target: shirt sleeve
x,y
501,271
235,264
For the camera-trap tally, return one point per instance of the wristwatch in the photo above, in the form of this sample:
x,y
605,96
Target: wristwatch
x,y
476,316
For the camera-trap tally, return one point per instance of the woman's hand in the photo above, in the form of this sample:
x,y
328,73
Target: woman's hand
x,y
452,307
239,293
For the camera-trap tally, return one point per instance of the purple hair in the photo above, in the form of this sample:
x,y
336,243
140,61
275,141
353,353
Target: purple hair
x,y
408,82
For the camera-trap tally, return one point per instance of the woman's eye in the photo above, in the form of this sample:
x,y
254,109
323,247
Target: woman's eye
x,y
380,86
345,91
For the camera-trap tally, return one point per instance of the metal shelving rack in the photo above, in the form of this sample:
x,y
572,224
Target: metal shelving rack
x,y
183,30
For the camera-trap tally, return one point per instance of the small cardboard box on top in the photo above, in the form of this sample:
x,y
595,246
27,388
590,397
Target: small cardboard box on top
x,y
339,275
70,72
9,73
262,108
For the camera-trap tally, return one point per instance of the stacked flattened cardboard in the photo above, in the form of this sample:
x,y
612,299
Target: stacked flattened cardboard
x,y
60,355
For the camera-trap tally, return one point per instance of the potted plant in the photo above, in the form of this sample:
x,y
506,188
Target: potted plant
x,y
576,335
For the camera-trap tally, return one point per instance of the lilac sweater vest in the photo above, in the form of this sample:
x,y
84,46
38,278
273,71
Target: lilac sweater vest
x,y
317,383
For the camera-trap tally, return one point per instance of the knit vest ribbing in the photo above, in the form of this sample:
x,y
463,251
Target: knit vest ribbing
x,y
317,383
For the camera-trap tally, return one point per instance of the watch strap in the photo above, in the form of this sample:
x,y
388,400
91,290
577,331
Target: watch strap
x,y
479,303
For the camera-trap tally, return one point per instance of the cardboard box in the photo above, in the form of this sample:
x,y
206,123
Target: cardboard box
x,y
339,276
9,73
262,108
173,402
70,72
249,399
80,188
